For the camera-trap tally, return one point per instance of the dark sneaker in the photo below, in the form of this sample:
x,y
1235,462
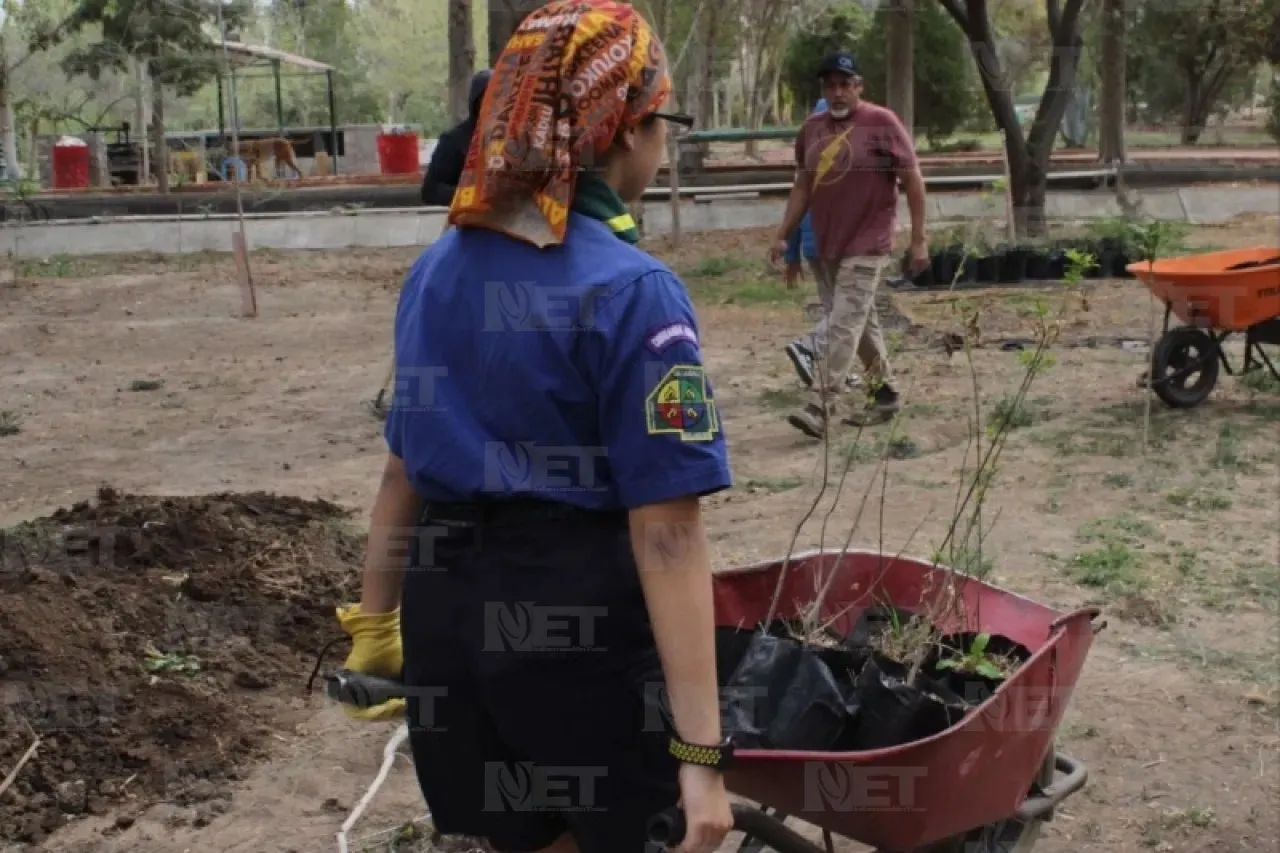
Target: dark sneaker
x,y
853,382
811,420
884,404
802,361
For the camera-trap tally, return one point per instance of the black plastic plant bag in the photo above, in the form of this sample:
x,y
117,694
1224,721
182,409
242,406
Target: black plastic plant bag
x,y
892,713
731,646
783,696
974,688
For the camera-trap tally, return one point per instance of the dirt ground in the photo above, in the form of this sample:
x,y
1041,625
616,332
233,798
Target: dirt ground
x,y
136,374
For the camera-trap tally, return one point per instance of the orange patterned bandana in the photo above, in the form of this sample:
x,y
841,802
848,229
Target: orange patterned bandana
x,y
574,74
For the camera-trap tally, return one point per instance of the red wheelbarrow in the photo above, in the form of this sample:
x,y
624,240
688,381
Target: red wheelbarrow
x,y
985,785
1216,295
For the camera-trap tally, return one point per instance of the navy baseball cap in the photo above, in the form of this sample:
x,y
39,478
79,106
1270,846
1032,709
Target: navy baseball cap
x,y
840,62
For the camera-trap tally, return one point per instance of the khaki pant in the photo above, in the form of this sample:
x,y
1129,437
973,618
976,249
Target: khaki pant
x,y
847,289
825,296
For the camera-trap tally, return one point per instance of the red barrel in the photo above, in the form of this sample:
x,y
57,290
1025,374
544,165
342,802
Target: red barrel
x,y
398,153
70,165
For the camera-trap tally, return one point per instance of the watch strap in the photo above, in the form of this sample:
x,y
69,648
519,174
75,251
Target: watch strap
x,y
716,757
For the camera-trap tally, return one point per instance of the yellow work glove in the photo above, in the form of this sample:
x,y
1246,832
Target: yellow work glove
x,y
375,650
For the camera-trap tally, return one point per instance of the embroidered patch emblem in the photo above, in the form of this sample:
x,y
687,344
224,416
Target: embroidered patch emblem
x,y
661,338
680,405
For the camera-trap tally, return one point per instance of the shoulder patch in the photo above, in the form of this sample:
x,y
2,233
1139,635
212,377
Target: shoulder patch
x,y
680,405
664,336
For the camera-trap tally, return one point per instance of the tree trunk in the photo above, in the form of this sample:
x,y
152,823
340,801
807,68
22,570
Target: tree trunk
x,y
462,58
1029,155
1111,106
8,131
8,136
746,81
140,120
693,79
900,60
33,163
706,104
504,17
1195,111
775,90
161,148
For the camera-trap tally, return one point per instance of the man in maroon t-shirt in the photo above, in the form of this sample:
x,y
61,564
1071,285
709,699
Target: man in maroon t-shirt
x,y
849,162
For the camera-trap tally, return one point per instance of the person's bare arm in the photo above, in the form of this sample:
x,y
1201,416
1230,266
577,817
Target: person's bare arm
x,y
913,185
674,558
394,522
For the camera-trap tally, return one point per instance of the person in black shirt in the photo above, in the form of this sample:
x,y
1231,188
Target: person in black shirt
x,y
451,150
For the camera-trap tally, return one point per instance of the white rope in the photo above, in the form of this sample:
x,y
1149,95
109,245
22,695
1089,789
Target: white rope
x,y
388,759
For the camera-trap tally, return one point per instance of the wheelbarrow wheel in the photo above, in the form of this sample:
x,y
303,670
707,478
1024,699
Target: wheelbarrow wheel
x,y
1185,367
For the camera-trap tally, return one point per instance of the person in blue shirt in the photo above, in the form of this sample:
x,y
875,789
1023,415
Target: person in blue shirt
x,y
537,563
803,244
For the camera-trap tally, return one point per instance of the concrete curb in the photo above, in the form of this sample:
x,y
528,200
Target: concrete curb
x,y
389,228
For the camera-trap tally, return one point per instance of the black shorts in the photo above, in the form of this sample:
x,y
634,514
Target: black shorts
x,y
533,668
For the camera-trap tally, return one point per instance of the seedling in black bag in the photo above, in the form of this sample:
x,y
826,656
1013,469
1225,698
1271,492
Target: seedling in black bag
x,y
975,660
975,665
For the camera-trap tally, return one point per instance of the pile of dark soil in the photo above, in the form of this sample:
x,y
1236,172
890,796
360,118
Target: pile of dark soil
x,y
141,636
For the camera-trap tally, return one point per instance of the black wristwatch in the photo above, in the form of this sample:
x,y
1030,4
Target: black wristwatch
x,y
717,757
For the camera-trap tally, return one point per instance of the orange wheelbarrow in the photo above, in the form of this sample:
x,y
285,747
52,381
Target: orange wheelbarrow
x,y
1215,295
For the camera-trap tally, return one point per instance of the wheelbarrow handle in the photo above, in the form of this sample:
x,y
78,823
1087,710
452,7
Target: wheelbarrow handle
x,y
362,690
668,827
1090,613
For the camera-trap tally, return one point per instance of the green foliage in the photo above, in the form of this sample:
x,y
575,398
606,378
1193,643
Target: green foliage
x,y
840,28
947,91
327,30
975,660
170,36
1078,264
1190,59
1144,240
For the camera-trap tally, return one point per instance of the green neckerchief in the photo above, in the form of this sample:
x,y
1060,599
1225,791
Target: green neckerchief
x,y
593,197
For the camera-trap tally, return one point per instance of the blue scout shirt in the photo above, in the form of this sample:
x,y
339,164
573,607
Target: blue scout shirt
x,y
571,374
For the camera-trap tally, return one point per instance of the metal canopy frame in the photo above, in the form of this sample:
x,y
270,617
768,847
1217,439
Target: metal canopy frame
x,y
246,56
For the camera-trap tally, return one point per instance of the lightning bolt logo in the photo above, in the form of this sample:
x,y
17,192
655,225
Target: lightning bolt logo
x,y
827,158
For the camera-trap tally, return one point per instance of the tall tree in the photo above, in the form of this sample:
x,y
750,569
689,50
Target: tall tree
x,y
1029,151
900,60
945,88
718,24
26,31
169,36
9,38
1111,112
761,46
393,34
462,57
1206,46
